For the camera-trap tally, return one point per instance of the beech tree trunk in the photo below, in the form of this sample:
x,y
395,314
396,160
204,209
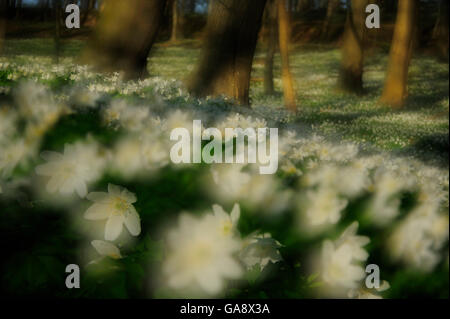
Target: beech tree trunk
x,y
440,31
271,23
124,36
350,77
395,87
174,33
331,8
226,59
284,35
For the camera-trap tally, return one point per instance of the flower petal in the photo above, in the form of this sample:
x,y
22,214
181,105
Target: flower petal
x,y
113,227
133,222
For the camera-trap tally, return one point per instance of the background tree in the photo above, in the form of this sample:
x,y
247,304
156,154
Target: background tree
x,y
271,25
440,31
352,51
331,8
227,53
284,35
124,36
395,87
175,21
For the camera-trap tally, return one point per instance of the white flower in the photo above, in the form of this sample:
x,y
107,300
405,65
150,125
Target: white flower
x,y
323,206
227,222
340,259
117,207
12,155
260,250
199,256
71,171
105,248
349,237
364,293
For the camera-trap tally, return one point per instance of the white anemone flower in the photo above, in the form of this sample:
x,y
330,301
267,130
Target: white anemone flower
x,y
199,256
227,222
340,259
71,171
117,207
106,249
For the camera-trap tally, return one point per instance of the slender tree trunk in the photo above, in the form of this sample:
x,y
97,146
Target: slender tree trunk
x,y
303,5
395,87
3,20
271,22
19,9
57,37
440,31
174,33
124,36
226,59
331,8
284,36
350,77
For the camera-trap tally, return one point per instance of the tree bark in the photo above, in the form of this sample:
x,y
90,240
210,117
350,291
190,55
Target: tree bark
x,y
124,36
331,8
174,33
350,77
441,32
226,59
271,23
284,35
395,87
3,21
57,36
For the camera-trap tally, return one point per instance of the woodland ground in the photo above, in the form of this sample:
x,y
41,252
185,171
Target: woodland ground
x,y
420,129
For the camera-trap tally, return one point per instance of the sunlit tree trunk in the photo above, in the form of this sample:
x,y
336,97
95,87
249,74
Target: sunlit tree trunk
x,y
284,36
124,36
352,51
174,33
271,23
395,87
229,44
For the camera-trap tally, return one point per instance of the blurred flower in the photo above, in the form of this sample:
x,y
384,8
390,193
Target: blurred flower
x,y
199,256
105,248
227,222
71,171
339,259
365,293
117,207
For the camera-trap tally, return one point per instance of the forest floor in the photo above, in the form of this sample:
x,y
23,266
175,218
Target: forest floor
x,y
419,129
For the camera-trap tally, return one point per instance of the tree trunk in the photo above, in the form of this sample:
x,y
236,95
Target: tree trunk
x,y
303,5
331,8
284,35
395,87
57,37
271,22
226,59
124,36
3,20
440,31
350,77
18,9
174,33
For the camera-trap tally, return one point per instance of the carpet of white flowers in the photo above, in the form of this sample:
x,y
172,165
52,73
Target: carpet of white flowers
x,y
86,178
